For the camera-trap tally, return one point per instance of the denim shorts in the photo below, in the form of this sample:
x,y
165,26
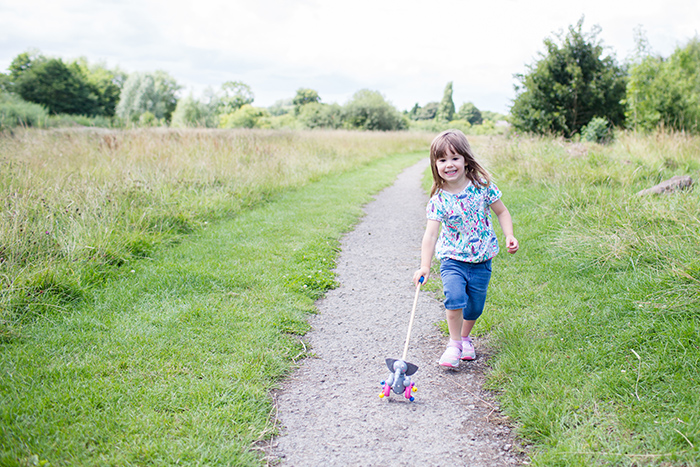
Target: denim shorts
x,y
465,286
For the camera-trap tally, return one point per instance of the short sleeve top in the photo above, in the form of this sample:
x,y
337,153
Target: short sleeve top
x,y
467,232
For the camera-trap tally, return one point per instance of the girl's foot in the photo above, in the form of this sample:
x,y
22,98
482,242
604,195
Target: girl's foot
x,y
450,358
468,352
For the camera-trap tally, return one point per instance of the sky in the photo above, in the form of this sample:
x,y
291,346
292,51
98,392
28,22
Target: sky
x,y
408,50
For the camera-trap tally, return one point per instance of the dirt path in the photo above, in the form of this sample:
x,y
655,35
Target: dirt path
x,y
329,410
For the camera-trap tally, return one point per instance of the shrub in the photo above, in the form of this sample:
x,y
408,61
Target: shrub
x,y
193,113
597,131
245,117
17,112
317,115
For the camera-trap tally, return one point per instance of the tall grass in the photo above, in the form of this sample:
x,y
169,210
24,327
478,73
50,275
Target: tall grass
x,y
597,319
78,205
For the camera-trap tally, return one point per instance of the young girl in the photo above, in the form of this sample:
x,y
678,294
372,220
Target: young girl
x,y
460,199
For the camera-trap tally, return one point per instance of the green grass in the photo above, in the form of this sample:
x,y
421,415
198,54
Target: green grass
x,y
596,320
78,206
173,362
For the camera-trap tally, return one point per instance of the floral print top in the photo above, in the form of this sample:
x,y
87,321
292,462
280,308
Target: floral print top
x,y
467,231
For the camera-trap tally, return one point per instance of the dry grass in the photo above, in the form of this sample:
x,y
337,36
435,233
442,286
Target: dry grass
x,y
77,203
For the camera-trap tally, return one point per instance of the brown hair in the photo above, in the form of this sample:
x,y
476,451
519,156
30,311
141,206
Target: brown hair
x,y
458,144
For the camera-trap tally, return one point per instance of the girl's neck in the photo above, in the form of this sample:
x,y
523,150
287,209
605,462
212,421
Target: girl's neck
x,y
455,187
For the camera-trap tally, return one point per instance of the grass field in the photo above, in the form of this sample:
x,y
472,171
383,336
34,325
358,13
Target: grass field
x,y
597,325
170,358
78,206
146,275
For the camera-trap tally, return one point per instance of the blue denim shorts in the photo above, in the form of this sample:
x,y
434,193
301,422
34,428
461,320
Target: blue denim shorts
x,y
465,286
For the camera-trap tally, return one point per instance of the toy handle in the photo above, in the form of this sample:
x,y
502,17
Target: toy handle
x,y
410,323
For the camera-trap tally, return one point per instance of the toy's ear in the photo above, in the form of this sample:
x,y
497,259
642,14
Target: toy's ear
x,y
411,368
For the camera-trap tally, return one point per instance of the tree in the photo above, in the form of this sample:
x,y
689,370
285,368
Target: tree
x,y
469,112
23,62
446,110
72,88
570,85
665,92
148,92
368,110
107,82
58,87
428,112
235,94
191,112
246,116
281,107
303,97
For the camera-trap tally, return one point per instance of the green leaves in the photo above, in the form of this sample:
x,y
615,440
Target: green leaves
x,y
569,86
665,92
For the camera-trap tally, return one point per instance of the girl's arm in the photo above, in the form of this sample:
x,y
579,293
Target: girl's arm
x,y
432,230
506,225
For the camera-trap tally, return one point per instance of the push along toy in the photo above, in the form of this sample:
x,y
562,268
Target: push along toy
x,y
401,371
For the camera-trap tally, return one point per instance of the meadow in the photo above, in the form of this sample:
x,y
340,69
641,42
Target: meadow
x,y
156,285
597,325
80,205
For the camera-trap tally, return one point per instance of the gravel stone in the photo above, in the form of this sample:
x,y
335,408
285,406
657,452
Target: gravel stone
x,y
329,411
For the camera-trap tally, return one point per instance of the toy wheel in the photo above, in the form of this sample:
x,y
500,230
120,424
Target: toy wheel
x,y
407,392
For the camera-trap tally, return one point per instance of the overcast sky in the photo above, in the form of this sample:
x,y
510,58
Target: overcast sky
x,y
406,49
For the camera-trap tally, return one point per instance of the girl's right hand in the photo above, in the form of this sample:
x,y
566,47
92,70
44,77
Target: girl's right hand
x,y
422,272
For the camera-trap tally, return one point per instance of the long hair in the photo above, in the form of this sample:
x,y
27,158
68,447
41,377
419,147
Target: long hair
x,y
458,144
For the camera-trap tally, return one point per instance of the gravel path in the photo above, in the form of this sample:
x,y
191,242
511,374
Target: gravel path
x,y
329,410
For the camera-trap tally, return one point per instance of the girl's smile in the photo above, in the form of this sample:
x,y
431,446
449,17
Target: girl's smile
x,y
450,167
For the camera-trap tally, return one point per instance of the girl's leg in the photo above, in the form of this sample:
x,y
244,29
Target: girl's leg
x,y
467,325
468,352
454,324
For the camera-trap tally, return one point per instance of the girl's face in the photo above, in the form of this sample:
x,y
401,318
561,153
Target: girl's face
x,y
450,167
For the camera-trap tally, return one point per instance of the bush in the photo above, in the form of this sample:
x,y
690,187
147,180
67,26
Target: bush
x,y
317,115
17,112
245,117
193,113
279,122
597,131
65,120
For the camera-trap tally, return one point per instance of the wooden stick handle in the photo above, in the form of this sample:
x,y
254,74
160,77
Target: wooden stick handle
x,y
410,323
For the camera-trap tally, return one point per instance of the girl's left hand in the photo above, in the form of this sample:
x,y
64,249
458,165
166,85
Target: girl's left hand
x,y
511,244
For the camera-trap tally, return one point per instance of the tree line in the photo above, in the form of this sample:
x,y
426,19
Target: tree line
x,y
37,87
575,88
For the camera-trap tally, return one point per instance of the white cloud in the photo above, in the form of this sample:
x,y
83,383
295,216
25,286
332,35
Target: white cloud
x,y
408,50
